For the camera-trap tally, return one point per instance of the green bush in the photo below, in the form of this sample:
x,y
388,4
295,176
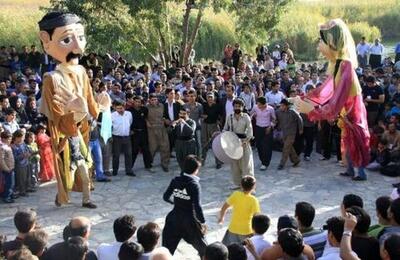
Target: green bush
x,y
363,29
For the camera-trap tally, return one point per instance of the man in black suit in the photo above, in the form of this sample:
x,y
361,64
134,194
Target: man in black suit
x,y
171,114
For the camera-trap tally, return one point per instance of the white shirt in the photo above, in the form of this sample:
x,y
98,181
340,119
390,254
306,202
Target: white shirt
x,y
274,98
108,251
229,107
121,124
363,49
171,110
331,253
376,49
282,64
260,243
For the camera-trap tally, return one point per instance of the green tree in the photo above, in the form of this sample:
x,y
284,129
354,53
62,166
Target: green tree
x,y
149,28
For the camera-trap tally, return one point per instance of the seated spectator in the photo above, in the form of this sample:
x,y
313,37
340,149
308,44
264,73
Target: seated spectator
x,y
391,248
381,157
77,227
316,238
292,244
148,236
25,222
124,228
394,216
237,252
382,205
366,247
161,253
216,251
335,227
22,254
36,242
76,248
260,224
275,251
130,251
392,135
350,200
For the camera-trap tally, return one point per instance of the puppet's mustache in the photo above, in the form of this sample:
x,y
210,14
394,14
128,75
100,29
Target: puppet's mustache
x,y
72,55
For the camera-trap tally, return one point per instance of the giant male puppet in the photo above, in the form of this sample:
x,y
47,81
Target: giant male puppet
x,y
67,102
340,96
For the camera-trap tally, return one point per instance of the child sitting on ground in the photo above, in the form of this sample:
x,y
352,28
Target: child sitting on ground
x,y
260,224
245,206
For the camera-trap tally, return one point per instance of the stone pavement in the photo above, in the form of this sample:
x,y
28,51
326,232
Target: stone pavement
x,y
278,191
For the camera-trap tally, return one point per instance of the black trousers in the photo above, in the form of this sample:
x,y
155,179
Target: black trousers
x,y
375,61
309,135
140,143
264,144
171,139
121,144
326,139
179,225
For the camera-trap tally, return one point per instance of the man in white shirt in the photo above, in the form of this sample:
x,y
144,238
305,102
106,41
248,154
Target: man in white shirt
x,y
275,96
335,227
121,130
376,51
260,224
362,52
156,76
124,228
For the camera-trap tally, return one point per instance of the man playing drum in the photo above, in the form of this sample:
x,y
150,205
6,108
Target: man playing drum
x,y
240,124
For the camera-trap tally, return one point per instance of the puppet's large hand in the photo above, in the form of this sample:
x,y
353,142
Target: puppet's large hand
x,y
71,102
301,105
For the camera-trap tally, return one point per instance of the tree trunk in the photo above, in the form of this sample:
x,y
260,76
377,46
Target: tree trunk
x,y
185,31
193,36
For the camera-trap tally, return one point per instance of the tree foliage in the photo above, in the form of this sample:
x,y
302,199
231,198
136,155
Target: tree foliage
x,y
143,29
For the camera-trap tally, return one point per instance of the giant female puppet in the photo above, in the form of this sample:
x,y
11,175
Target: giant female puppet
x,y
67,102
340,96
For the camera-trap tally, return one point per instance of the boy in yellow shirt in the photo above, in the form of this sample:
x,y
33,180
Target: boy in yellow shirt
x,y
245,206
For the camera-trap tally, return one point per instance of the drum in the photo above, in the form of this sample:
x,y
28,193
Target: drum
x,y
227,147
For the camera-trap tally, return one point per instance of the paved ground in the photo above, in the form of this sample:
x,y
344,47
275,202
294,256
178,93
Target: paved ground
x,y
278,191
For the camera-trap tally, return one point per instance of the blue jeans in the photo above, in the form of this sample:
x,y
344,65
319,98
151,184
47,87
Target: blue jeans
x,y
9,183
97,158
350,168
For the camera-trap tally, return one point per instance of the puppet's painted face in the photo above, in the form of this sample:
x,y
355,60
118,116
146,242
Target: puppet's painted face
x,y
66,44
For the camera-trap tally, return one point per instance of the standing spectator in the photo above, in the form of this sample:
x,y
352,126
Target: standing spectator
x,y
236,56
373,98
10,123
186,220
124,228
290,122
7,164
245,206
140,140
211,115
362,52
21,156
34,159
35,59
46,155
171,113
397,52
184,129
274,96
195,110
121,122
248,97
265,122
158,135
95,149
376,51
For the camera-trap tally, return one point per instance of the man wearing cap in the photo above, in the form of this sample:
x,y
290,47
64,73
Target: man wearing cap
x,y
67,98
290,122
240,124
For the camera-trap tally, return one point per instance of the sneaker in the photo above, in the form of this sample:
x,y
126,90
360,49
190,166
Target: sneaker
x,y
396,185
296,164
280,167
218,166
103,180
114,173
89,205
107,173
307,158
24,194
8,200
345,174
263,167
358,178
131,174
323,159
150,170
58,204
